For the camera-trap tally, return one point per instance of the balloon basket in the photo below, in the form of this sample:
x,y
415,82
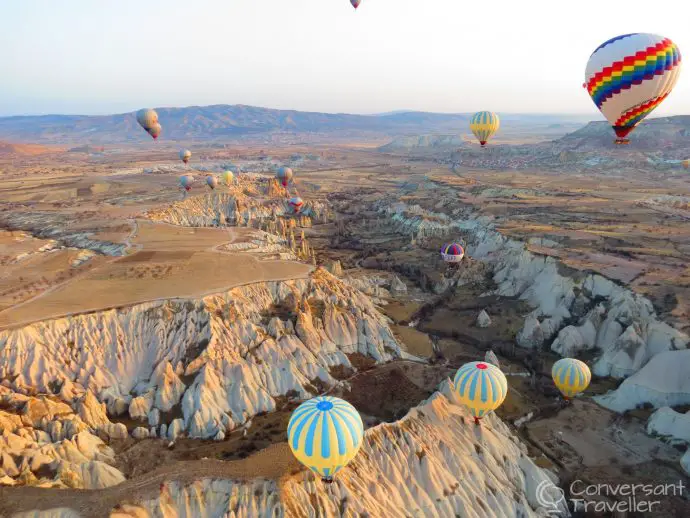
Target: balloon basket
x,y
476,421
327,480
621,141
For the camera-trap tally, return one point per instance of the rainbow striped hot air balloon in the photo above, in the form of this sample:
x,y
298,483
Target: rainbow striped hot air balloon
x,y
484,125
452,252
481,387
628,76
325,433
571,376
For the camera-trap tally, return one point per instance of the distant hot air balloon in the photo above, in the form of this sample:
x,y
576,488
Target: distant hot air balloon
x,y
355,3
452,253
148,119
571,376
228,177
186,182
154,130
686,163
325,434
185,155
284,175
212,181
481,387
296,204
629,76
484,125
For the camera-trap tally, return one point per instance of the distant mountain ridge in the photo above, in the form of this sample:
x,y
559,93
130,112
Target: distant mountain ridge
x,y
223,122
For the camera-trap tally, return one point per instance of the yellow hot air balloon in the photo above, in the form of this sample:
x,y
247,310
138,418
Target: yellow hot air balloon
x,y
484,125
228,177
571,376
686,164
325,434
481,387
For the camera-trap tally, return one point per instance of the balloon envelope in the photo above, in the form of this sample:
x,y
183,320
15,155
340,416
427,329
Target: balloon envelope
x,y
186,181
212,181
185,155
154,130
484,125
628,76
452,252
228,177
284,175
355,3
296,203
146,117
481,387
571,376
325,434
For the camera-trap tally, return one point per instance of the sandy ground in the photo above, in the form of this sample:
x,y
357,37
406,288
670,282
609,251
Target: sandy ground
x,y
151,275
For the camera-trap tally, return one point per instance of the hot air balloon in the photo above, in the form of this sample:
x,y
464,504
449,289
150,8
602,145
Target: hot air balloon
x,y
284,175
186,182
452,252
185,155
481,387
484,125
154,130
629,76
212,181
355,3
228,177
571,376
148,119
325,433
686,163
296,204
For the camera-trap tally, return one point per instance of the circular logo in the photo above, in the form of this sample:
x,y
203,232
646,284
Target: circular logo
x,y
549,496
324,405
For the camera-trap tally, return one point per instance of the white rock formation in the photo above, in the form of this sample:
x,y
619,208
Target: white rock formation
x,y
554,296
670,424
664,381
140,433
483,319
39,435
237,364
398,287
433,462
490,357
531,335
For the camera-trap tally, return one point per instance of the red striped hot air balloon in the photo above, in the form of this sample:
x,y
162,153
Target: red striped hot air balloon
x,y
628,76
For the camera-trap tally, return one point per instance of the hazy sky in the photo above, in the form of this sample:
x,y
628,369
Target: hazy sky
x,y
99,56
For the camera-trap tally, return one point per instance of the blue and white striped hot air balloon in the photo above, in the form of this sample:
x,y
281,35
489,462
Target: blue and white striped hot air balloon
x,y
571,376
481,387
325,433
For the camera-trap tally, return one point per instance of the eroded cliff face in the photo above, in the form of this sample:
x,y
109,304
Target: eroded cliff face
x,y
219,360
234,208
573,312
433,462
